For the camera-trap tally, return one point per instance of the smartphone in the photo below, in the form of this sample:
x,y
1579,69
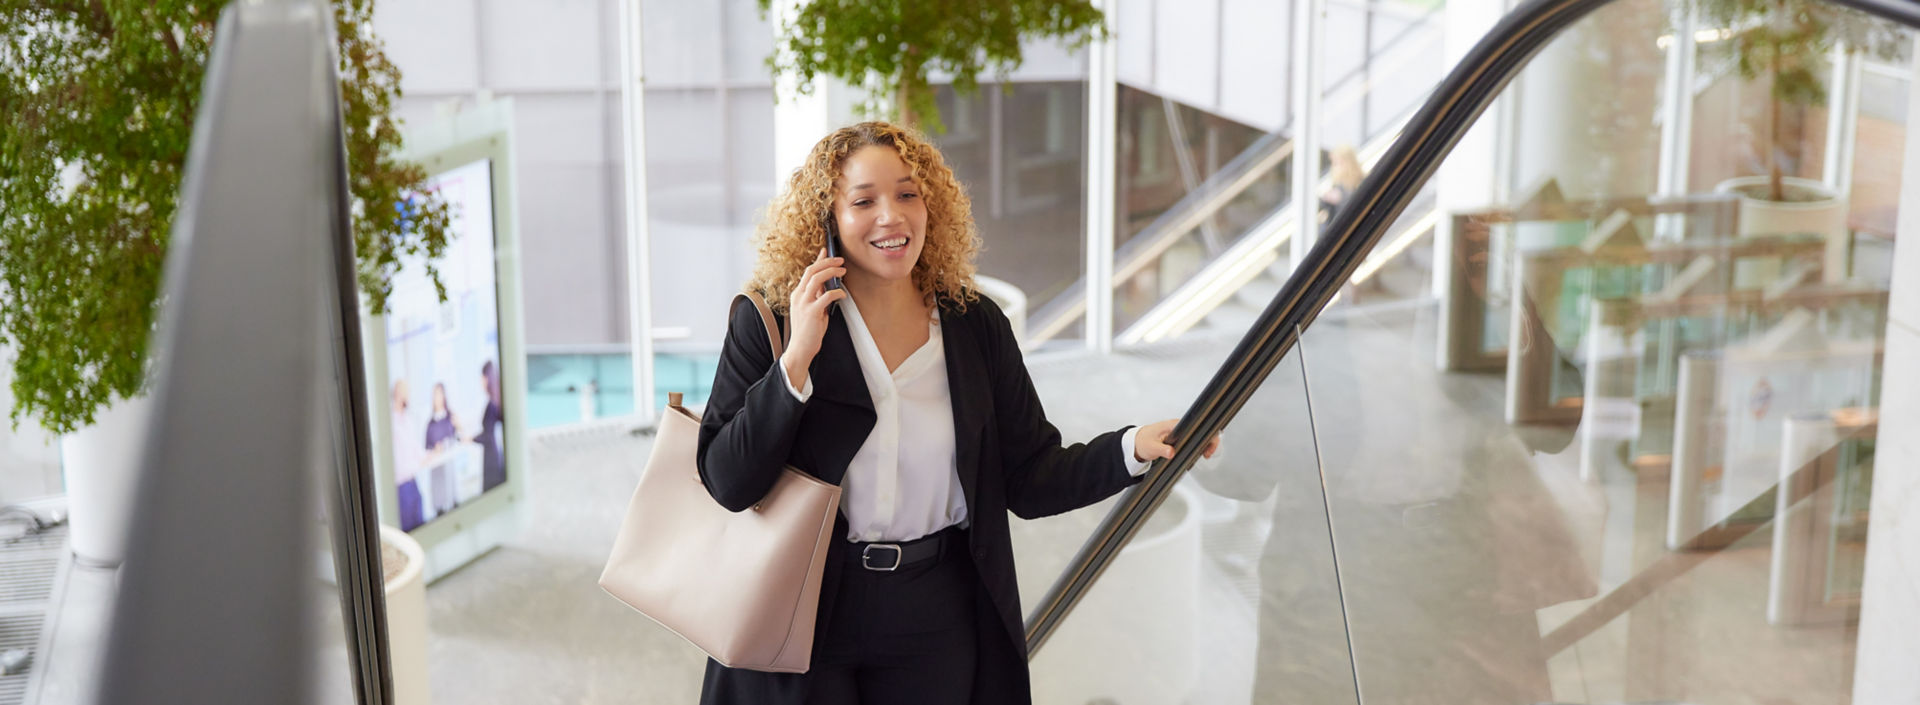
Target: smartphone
x,y
833,248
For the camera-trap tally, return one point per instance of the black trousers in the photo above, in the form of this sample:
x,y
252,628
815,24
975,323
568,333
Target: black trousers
x,y
906,636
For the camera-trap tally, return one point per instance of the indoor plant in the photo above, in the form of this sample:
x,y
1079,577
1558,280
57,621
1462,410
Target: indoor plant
x,y
100,99
1788,43
891,47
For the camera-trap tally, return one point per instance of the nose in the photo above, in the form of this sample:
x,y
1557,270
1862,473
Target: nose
x,y
886,213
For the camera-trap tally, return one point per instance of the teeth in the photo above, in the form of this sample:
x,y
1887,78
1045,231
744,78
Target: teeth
x,y
890,244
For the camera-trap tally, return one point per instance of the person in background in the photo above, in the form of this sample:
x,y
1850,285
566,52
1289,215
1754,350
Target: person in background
x,y
443,433
406,456
1345,173
441,430
492,435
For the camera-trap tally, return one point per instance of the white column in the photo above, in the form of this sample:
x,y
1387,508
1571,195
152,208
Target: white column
x,y
1580,121
639,261
1469,177
1676,124
1692,445
1309,23
1843,118
1102,107
1890,601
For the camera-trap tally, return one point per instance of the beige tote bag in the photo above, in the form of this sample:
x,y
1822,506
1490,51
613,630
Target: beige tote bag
x,y
744,587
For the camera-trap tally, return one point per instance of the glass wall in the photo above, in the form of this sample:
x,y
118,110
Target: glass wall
x,y
1654,486
1205,152
1020,150
1628,456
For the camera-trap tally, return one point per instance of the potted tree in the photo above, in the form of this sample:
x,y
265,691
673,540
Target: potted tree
x,y
100,101
890,48
1787,43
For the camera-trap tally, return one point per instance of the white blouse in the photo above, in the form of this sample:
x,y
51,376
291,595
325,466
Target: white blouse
x,y
900,492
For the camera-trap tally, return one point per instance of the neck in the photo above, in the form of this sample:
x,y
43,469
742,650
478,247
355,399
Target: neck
x,y
882,297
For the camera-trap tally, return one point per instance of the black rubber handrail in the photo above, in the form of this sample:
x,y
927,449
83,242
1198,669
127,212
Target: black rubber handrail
x,y
1344,244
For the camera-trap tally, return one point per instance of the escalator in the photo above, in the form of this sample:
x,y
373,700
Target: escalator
x,y
1382,526
1225,240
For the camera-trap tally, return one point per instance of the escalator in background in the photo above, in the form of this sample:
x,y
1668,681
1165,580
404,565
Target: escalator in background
x,y
1626,457
1192,245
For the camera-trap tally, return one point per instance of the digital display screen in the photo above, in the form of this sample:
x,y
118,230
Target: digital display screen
x,y
443,373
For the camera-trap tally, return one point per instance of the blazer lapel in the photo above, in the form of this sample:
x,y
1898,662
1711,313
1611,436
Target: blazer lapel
x,y
836,369
972,403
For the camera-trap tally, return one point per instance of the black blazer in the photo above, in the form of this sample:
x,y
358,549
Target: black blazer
x,y
1008,456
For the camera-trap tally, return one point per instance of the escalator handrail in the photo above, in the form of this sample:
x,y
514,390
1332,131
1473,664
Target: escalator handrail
x,y
1462,96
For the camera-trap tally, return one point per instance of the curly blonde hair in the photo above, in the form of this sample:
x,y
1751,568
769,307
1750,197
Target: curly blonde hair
x,y
794,230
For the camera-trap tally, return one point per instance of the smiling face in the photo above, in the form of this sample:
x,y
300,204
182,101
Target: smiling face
x,y
882,214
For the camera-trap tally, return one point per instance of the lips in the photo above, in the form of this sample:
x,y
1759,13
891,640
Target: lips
x,y
892,243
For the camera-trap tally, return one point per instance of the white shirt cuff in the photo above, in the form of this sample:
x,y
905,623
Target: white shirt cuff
x,y
802,395
1134,467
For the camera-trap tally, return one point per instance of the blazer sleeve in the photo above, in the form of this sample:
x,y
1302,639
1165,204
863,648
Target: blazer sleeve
x,y
750,421
1042,477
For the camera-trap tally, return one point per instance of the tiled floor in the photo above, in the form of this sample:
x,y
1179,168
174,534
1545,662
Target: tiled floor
x,y
1444,555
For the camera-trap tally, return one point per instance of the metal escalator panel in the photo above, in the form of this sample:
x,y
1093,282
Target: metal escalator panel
x,y
248,575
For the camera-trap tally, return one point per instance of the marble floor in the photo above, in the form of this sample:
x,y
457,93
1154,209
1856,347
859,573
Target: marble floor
x,y
1455,544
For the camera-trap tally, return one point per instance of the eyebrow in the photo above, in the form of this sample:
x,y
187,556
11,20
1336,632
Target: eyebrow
x,y
902,180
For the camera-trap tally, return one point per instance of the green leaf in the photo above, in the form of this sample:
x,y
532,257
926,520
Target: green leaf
x,y
892,48
106,92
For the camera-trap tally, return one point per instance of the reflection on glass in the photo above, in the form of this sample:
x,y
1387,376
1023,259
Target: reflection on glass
x,y
1847,542
1228,593
1628,455
1020,150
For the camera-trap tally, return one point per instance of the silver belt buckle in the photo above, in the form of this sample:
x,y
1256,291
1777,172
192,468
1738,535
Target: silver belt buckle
x,y
866,557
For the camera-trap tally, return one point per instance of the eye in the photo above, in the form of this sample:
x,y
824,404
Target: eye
x,y
863,202
909,195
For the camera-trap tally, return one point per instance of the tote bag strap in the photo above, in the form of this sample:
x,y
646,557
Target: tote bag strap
x,y
775,336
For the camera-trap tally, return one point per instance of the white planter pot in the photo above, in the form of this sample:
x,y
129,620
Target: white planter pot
x,y
1133,638
407,619
101,464
1825,216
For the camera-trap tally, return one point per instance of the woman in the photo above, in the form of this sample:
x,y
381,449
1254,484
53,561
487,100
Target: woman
x,y
406,456
916,402
1345,173
493,462
441,430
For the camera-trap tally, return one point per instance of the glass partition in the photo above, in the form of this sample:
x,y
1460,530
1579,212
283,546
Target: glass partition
x,y
1227,593
1019,148
1627,457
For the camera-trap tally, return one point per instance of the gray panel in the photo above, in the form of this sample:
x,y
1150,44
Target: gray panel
x,y
678,42
568,261
567,128
681,148
252,401
749,41
432,42
549,44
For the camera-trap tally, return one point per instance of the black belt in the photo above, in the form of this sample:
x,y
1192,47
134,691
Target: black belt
x,y
891,556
